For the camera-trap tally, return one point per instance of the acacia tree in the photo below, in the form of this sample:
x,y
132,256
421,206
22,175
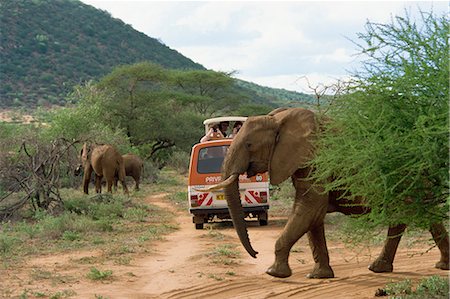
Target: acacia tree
x,y
210,91
157,108
388,141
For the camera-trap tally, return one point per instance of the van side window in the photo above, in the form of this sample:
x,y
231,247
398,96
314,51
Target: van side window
x,y
210,159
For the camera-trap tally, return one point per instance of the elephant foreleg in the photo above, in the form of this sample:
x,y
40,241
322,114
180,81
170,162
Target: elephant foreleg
x,y
86,179
384,262
290,235
440,236
318,244
299,222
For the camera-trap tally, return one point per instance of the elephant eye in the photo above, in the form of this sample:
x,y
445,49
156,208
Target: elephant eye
x,y
248,144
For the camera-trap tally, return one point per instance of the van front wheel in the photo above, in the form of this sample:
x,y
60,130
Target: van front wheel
x,y
199,226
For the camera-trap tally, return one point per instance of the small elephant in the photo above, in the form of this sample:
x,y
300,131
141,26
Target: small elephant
x,y
281,143
104,161
133,167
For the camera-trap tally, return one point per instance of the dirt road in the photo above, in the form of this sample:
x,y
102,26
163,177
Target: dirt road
x,y
184,266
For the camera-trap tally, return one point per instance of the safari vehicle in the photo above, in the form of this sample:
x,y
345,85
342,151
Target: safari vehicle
x,y
205,171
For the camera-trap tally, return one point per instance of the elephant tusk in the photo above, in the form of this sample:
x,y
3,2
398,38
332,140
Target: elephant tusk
x,y
219,186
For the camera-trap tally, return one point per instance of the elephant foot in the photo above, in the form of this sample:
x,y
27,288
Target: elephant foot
x,y
442,265
321,272
279,270
380,266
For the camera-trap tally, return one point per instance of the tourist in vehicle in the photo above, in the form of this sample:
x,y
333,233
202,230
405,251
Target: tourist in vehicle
x,y
217,131
237,126
223,127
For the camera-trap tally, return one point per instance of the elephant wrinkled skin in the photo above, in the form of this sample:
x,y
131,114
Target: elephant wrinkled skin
x,y
104,161
281,143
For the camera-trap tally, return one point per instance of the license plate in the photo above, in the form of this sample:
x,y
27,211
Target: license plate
x,y
220,196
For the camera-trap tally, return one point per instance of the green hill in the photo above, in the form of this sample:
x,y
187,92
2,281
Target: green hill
x,y
48,46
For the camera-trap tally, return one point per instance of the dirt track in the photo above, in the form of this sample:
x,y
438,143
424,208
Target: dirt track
x,y
180,267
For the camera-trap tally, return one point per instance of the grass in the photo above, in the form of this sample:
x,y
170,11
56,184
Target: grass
x,y
224,254
433,287
95,274
179,199
105,222
122,227
214,235
39,274
58,295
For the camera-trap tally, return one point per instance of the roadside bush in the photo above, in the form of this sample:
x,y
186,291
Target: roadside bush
x,y
150,174
107,210
96,274
52,227
435,287
388,141
30,230
70,236
98,206
7,244
136,214
179,160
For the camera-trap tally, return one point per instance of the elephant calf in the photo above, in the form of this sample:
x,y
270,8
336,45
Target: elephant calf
x,y
133,167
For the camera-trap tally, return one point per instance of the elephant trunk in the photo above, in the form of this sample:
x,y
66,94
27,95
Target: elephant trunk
x,y
237,215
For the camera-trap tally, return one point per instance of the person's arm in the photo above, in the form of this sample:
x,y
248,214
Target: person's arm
x,y
208,135
212,134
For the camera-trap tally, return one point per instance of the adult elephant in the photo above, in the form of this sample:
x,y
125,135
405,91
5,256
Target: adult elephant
x,y
105,161
282,144
133,167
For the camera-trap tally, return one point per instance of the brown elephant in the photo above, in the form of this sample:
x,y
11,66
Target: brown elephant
x,y
104,161
282,144
133,167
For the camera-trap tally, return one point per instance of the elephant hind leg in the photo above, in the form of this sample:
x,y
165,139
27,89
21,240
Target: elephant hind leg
x,y
136,180
440,236
110,183
384,262
98,184
122,181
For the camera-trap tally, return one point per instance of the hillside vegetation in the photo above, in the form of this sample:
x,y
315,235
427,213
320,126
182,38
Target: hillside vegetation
x,y
48,46
51,45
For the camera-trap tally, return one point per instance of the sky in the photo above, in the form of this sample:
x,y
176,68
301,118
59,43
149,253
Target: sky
x,y
293,45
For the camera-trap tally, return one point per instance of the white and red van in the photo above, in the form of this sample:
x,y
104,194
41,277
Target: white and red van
x,y
205,171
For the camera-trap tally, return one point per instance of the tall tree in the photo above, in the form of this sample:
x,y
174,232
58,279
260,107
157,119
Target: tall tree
x,y
388,140
210,91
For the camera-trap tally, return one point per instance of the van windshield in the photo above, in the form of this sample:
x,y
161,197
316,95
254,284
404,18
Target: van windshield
x,y
210,159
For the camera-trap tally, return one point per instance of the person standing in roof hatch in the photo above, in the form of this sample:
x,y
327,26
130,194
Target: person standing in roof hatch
x,y
237,126
216,131
223,127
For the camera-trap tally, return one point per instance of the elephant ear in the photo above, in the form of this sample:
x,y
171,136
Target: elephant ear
x,y
293,147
